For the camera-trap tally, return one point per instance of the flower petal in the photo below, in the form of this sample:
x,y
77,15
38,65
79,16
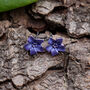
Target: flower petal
x,y
49,48
39,49
39,42
54,52
27,47
59,41
31,39
33,51
61,48
51,41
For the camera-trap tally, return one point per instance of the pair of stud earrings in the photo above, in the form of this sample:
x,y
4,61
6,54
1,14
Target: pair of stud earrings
x,y
35,45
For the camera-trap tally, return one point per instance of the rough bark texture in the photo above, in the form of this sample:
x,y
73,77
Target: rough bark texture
x,y
68,19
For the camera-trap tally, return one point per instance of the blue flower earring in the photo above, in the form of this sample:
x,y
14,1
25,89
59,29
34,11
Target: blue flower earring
x,y
34,46
55,46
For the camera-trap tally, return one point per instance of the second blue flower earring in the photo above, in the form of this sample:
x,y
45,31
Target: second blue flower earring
x,y
55,46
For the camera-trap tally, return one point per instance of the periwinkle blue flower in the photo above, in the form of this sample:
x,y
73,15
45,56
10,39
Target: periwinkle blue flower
x,y
34,46
55,46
